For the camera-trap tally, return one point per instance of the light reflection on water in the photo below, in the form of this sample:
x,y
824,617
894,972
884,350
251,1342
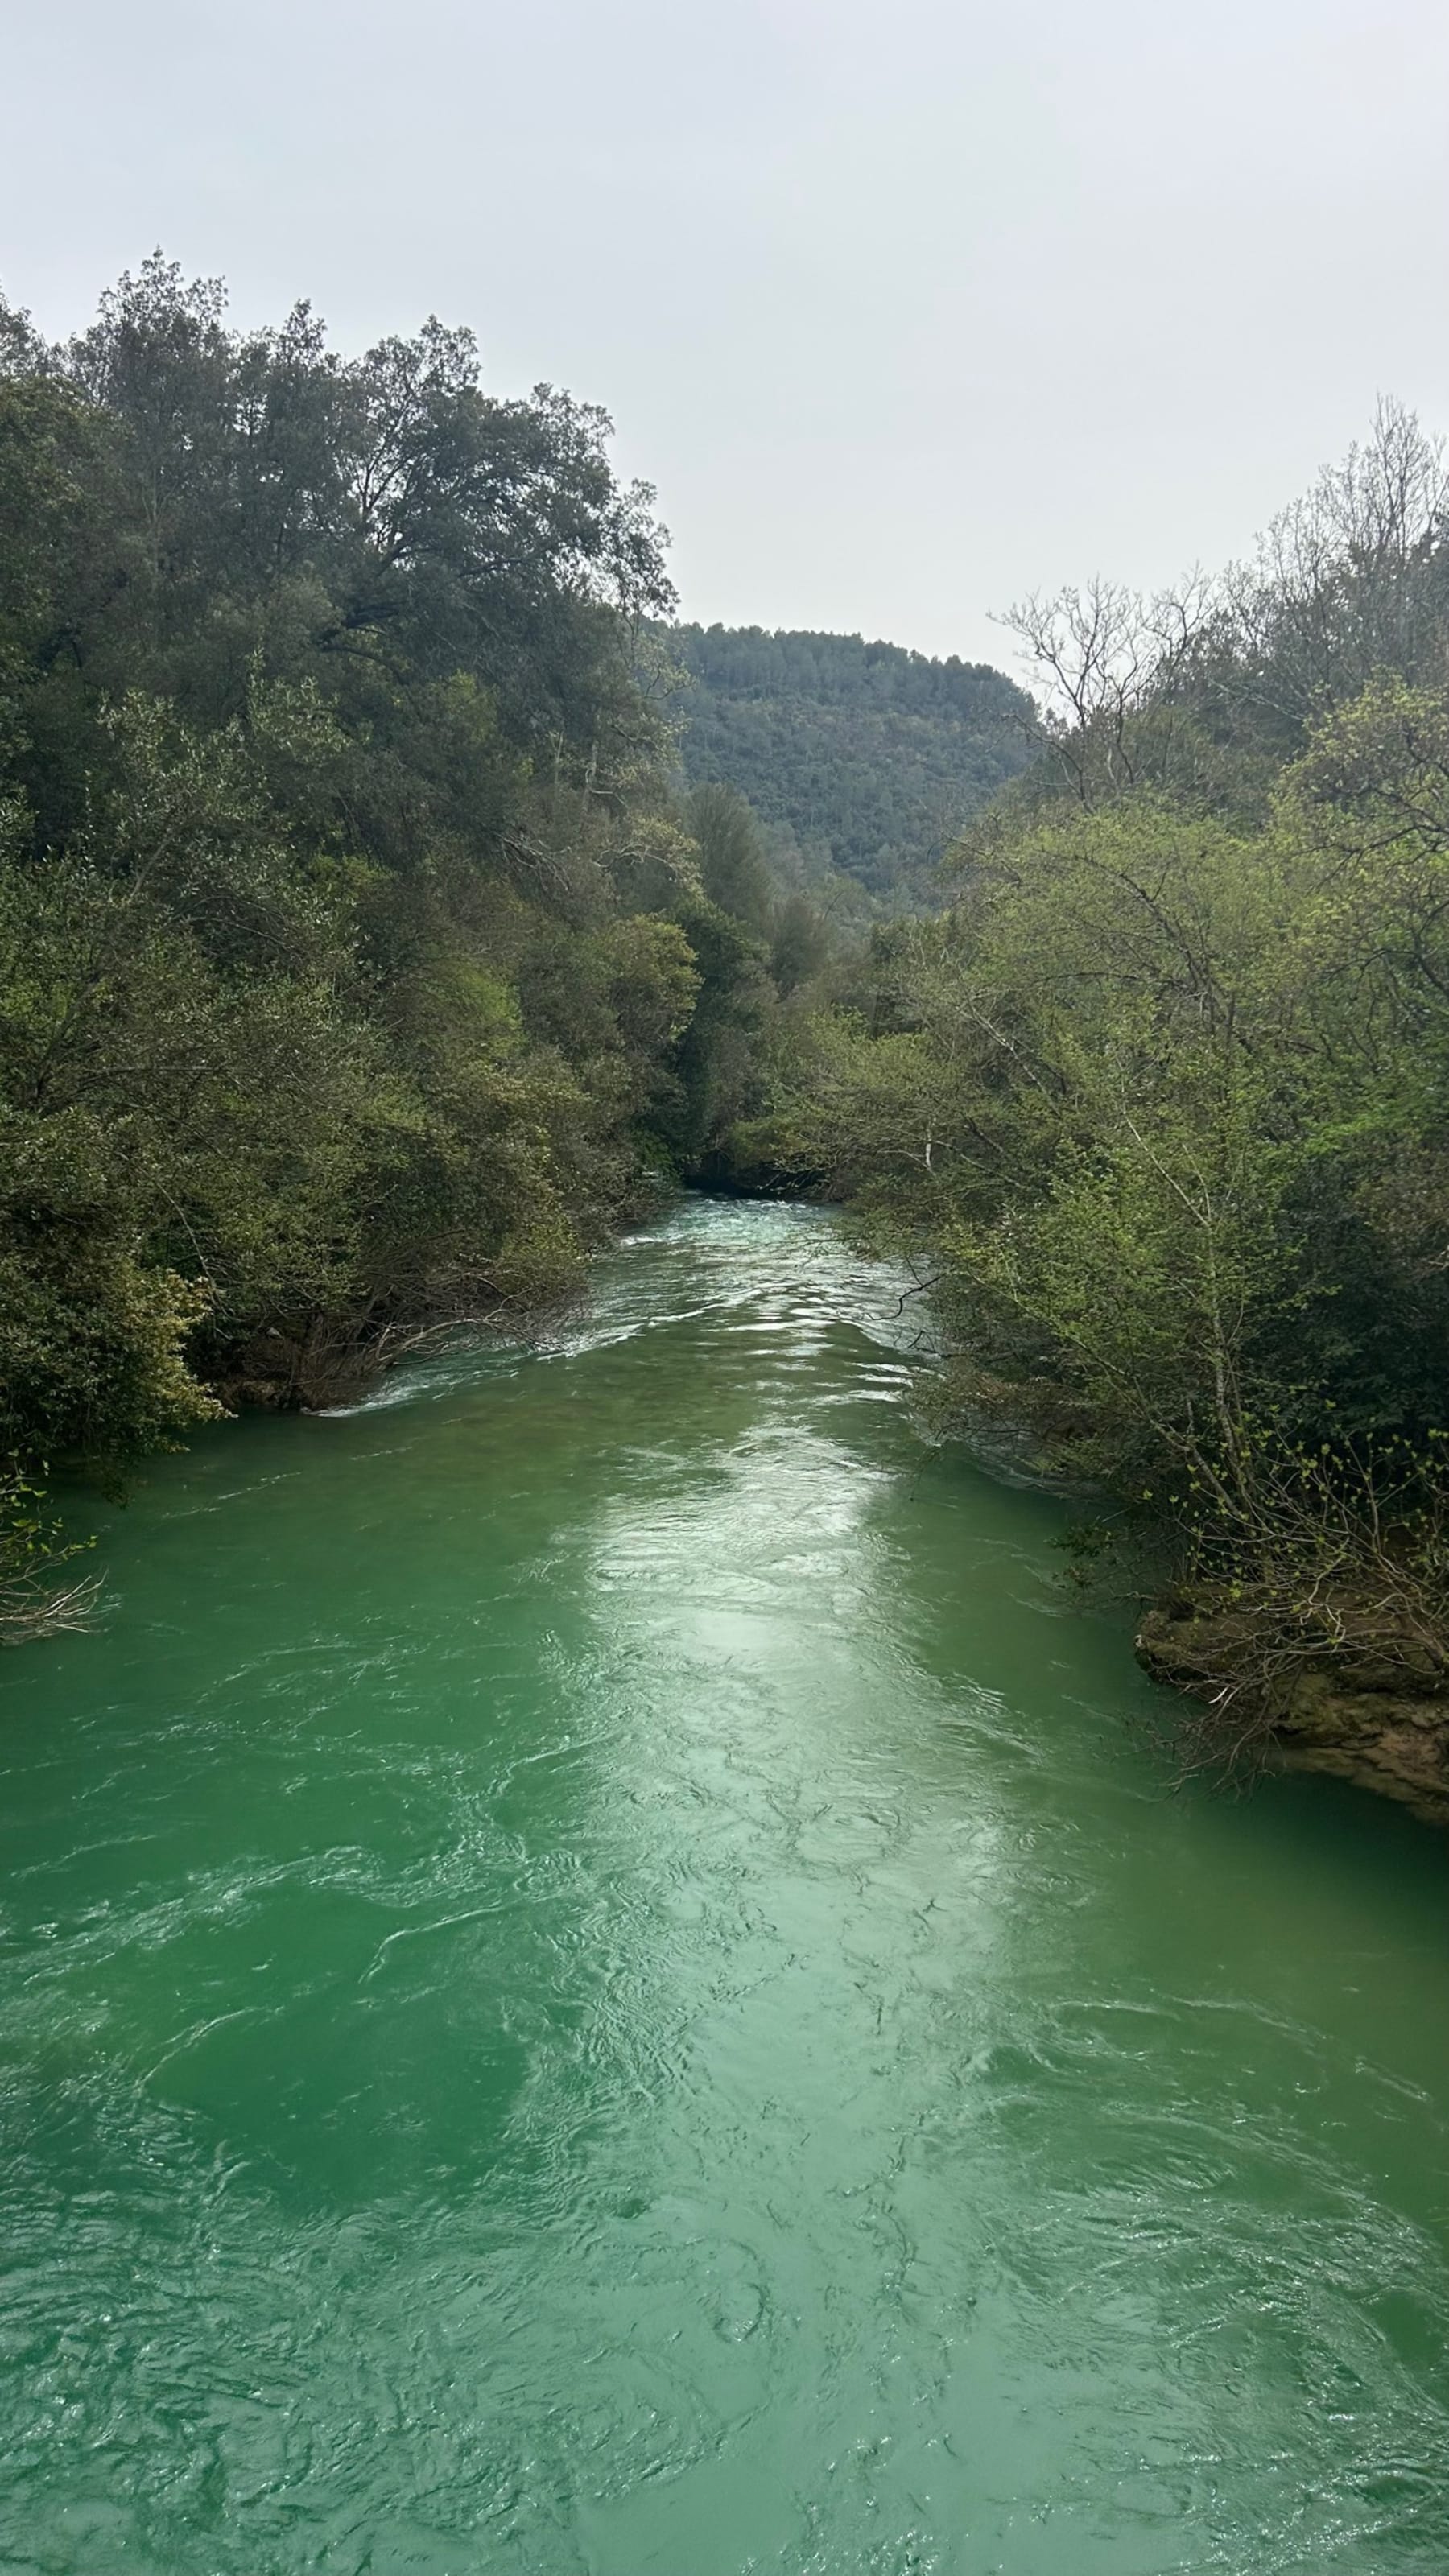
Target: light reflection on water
x,y
594,1982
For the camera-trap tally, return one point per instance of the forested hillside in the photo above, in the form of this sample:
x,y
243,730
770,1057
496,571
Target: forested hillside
x,y
871,758
1162,1105
358,962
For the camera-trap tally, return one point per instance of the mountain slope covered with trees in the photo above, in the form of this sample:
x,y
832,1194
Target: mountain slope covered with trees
x,y
870,758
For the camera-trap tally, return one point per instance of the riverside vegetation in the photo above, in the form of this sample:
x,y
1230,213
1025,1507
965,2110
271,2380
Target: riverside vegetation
x,y
360,962
364,957
1162,1106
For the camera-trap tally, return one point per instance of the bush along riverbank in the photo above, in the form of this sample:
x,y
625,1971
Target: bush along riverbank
x,y
359,963
1161,1108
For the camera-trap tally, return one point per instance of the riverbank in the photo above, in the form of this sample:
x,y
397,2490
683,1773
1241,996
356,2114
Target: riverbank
x,y
1376,1713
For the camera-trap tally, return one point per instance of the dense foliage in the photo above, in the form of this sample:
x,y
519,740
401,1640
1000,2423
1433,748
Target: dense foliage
x,y
868,758
1162,1103
356,963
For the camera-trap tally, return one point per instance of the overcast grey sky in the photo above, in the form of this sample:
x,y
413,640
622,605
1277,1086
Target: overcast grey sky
x,y
905,310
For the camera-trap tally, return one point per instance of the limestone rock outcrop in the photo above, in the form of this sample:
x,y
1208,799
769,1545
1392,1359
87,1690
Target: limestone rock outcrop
x,y
1378,1716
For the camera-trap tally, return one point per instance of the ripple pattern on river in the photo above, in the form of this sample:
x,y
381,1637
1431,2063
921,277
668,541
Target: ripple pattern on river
x,y
592,1981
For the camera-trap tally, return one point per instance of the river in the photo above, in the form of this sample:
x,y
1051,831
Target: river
x,y
595,1978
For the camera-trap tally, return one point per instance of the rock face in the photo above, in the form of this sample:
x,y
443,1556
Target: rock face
x,y
1380,1718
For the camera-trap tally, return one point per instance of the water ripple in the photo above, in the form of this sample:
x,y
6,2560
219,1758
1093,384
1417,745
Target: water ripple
x,y
591,1983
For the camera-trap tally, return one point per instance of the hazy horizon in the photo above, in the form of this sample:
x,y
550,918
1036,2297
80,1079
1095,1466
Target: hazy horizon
x,y
901,321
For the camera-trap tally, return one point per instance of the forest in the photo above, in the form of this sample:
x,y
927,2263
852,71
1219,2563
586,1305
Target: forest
x,y
361,961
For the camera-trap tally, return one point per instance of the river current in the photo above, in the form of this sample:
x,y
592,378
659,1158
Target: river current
x,y
595,1980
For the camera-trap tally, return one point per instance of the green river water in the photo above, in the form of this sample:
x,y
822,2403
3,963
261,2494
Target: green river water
x,y
594,1979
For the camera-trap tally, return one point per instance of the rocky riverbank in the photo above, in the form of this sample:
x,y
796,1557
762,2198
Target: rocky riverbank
x,y
1375,1712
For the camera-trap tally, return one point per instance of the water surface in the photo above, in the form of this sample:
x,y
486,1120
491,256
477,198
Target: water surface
x,y
592,1979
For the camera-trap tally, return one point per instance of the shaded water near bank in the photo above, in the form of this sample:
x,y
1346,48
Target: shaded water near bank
x,y
593,1979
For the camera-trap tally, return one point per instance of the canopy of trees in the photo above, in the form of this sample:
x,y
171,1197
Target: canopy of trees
x,y
358,963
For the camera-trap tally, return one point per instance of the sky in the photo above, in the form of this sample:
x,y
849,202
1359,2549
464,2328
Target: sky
x,y
906,311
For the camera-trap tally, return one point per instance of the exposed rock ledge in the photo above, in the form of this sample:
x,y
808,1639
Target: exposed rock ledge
x,y
1386,1727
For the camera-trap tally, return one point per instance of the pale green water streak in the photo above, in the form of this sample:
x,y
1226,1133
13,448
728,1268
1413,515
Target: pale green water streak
x,y
592,1979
